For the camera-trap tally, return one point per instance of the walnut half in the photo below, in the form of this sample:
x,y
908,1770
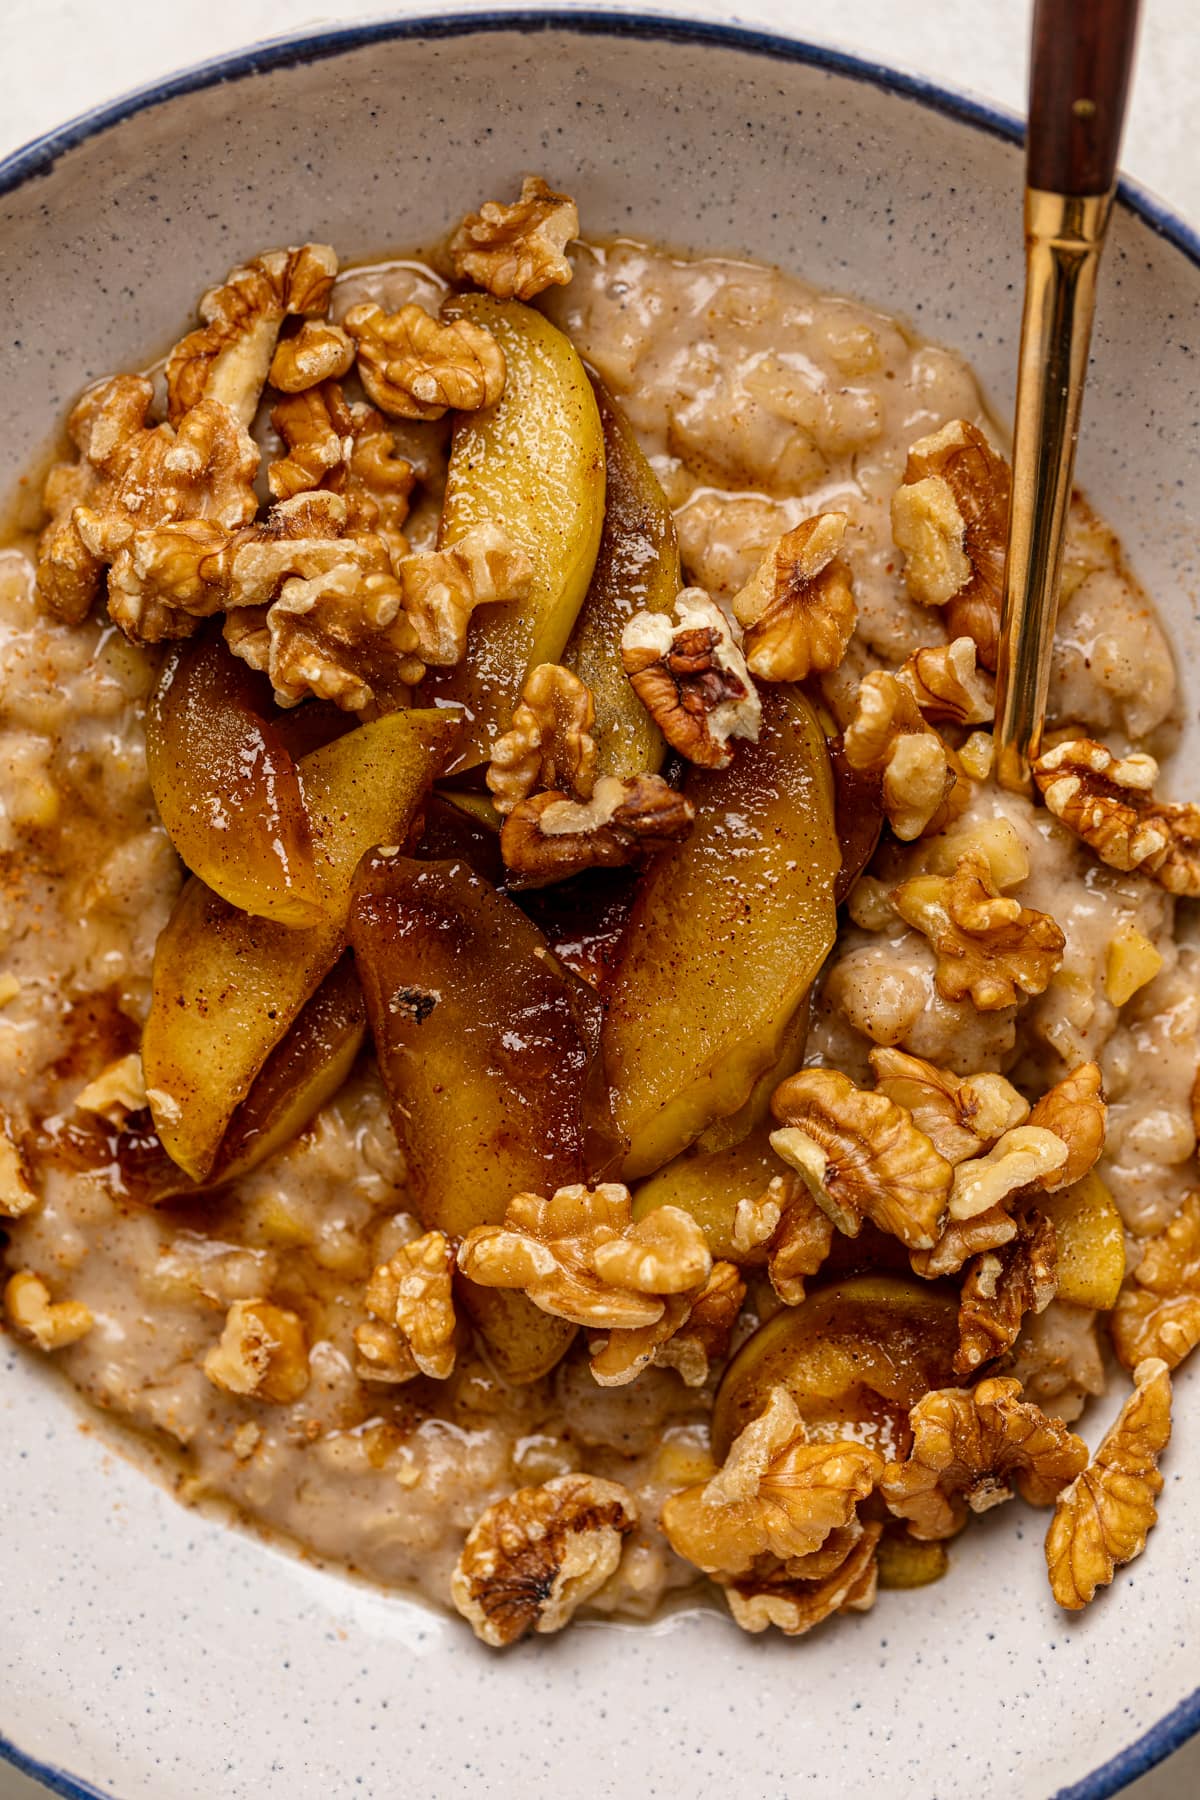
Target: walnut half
x,y
797,610
549,742
412,1324
532,1560
988,945
550,836
1108,801
1158,1311
417,367
515,251
692,678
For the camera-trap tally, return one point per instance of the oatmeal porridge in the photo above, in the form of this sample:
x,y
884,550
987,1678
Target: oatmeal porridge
x,y
534,1053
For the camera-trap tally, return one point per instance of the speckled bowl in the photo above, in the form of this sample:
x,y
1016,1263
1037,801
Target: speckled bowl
x,y
150,1651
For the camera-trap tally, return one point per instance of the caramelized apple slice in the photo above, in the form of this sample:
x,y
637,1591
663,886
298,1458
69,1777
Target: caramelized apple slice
x,y
533,464
637,569
226,788
858,810
488,1058
854,1358
723,1134
728,930
227,985
709,1184
1090,1242
299,1077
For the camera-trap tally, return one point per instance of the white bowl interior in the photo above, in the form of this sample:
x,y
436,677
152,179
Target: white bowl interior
x,y
151,1651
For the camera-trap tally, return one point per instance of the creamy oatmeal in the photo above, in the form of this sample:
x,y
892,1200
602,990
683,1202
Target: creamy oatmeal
x,y
624,1099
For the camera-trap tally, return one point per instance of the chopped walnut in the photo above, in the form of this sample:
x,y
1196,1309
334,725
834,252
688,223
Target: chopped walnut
x,y
515,251
797,610
961,1115
1074,1110
262,1353
947,686
229,358
776,1495
988,945
692,678
861,1156
1109,802
549,836
1103,1519
1026,1156
923,790
319,351
1158,1311
693,1334
1000,1287
549,743
531,1560
442,588
16,1196
962,1239
580,1256
969,1449
337,448
116,1092
795,1602
412,1325
950,518
785,1224
416,367
118,507
343,637
50,1324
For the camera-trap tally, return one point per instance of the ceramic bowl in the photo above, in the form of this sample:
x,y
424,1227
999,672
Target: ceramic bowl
x,y
147,1650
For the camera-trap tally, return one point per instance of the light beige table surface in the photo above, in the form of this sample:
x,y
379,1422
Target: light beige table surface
x,y
61,57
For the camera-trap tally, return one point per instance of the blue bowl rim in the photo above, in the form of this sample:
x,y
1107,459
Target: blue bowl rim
x,y
38,158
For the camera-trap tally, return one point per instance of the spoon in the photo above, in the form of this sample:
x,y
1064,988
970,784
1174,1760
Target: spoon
x,y
1081,57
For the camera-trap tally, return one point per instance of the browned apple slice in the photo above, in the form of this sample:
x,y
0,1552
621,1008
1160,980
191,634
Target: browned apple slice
x,y
227,985
854,1358
489,1060
226,788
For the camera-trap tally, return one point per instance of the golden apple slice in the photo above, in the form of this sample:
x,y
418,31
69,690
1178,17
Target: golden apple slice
x,y
227,985
488,1055
637,570
1090,1241
728,930
226,788
532,464
709,1185
854,1358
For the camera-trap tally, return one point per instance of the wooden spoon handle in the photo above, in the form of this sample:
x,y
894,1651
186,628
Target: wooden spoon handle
x,y
1078,82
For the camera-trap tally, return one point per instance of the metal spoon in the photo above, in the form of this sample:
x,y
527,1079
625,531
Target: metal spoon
x,y
1081,58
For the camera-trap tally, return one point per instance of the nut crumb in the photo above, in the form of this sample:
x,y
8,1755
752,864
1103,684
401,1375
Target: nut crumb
x,y
50,1324
262,1353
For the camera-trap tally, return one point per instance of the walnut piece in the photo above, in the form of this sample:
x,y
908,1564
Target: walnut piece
x,y
550,836
343,636
549,743
516,251
785,1224
887,738
579,1256
1102,1520
861,1156
946,684
969,1449
950,518
412,1323
133,483
1026,1156
416,367
1158,1311
795,1602
442,588
531,1560
229,358
50,1324
988,945
117,1091
262,1353
1108,801
961,1115
962,1239
16,1196
692,678
776,1495
1074,1110
1000,1287
693,1334
797,610
319,351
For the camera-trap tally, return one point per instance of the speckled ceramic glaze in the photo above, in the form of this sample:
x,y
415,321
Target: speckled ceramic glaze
x,y
148,1651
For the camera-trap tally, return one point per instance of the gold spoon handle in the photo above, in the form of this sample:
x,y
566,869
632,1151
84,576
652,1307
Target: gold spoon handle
x,y
1079,77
